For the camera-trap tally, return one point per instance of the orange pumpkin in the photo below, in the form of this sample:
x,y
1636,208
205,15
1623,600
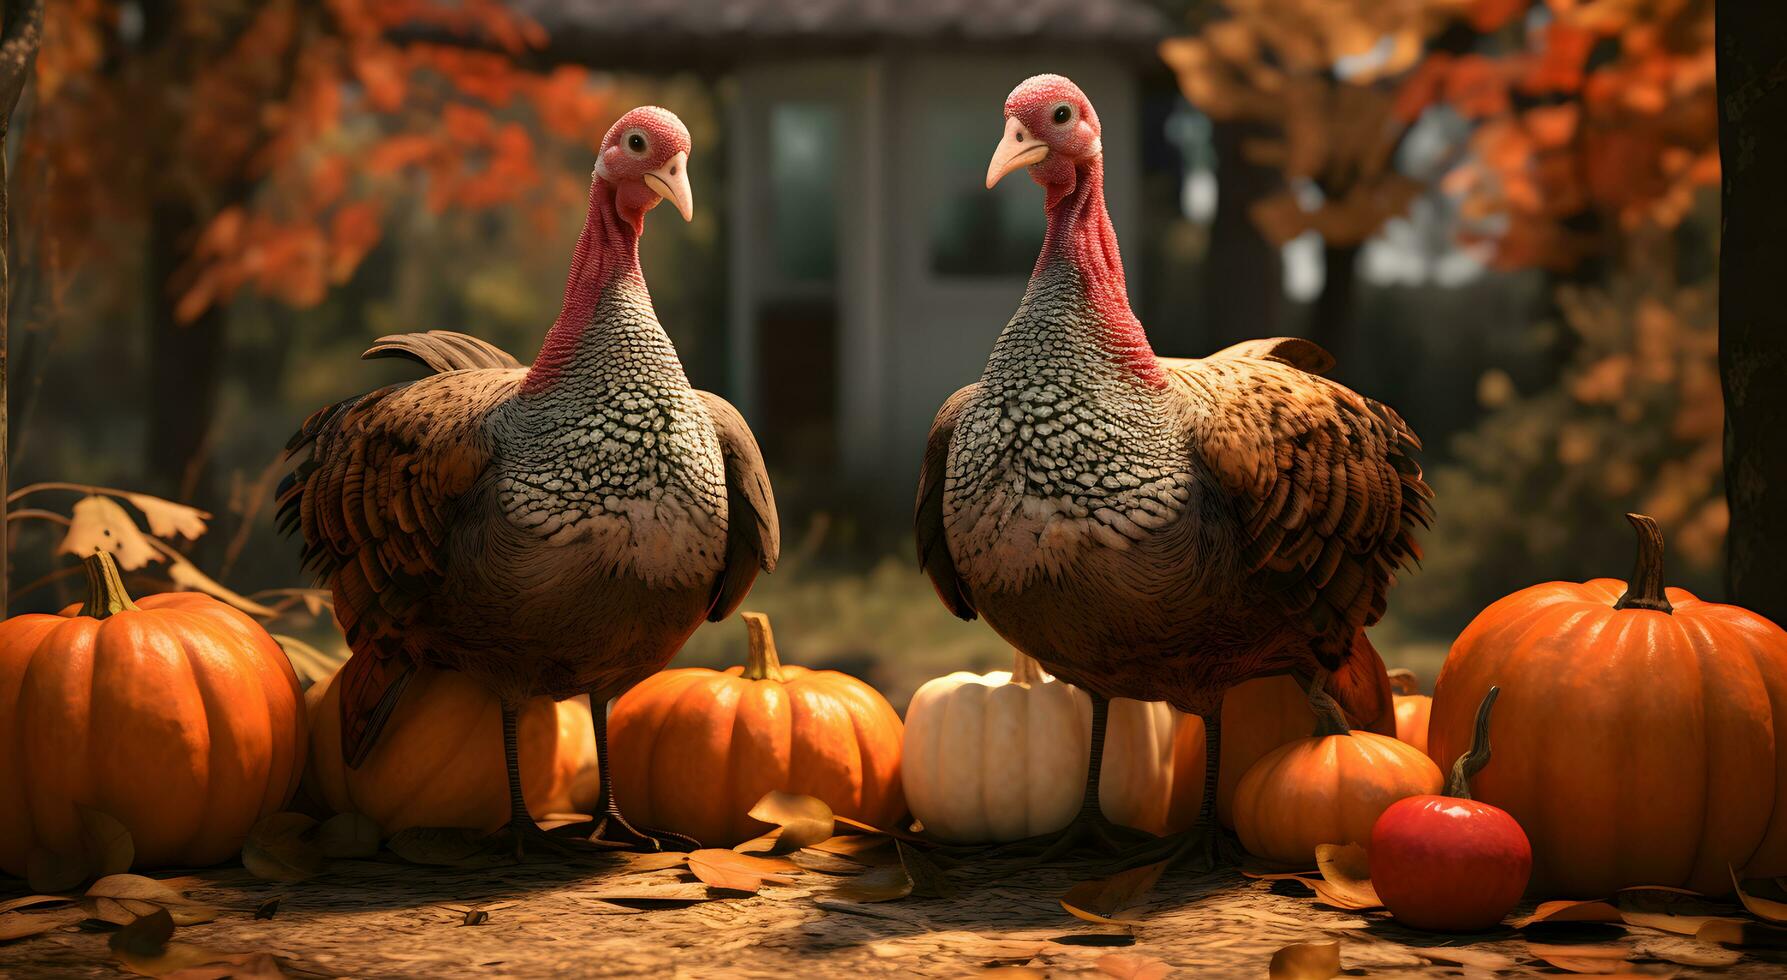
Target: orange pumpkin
x,y
694,749
1329,788
1257,717
177,715
439,761
1639,736
1412,708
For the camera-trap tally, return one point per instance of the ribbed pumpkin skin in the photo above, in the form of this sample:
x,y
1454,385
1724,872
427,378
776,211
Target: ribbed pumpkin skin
x,y
694,749
181,718
1635,746
439,761
989,758
1257,716
1328,789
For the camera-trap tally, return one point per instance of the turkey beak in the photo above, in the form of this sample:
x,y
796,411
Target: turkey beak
x,y
1016,151
671,182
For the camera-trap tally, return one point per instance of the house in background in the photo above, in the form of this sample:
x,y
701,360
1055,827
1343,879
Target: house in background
x,y
869,269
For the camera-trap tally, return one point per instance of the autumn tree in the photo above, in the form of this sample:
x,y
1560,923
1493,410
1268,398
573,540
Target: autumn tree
x,y
253,147
1752,319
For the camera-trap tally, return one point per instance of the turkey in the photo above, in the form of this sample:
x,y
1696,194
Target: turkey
x,y
1157,528
550,530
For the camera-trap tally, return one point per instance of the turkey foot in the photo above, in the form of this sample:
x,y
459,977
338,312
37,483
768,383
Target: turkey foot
x,y
611,831
528,838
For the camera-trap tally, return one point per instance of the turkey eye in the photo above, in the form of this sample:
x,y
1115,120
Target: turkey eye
x,y
1062,114
636,143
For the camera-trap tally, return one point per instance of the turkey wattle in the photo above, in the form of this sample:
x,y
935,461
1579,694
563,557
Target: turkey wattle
x,y
555,530
1154,528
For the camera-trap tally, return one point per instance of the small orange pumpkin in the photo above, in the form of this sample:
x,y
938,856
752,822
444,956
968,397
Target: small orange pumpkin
x,y
178,715
1412,708
1329,788
439,760
1257,716
1641,735
694,749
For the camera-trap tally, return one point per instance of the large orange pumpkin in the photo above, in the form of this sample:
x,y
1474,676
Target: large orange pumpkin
x,y
693,750
1257,716
1639,736
1329,788
1413,709
177,715
439,760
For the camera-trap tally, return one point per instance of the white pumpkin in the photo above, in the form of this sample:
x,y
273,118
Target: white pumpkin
x,y
1002,756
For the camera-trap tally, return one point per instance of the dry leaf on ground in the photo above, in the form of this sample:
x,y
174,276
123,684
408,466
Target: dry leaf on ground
x,y
18,925
348,835
721,868
883,884
1306,961
804,820
124,898
1766,909
29,901
865,828
280,848
1098,901
1737,932
1687,952
1681,925
454,847
1592,910
1346,877
1478,959
928,880
1583,958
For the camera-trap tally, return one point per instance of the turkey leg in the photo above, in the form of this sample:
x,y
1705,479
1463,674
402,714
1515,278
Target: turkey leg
x,y
612,831
1200,848
522,828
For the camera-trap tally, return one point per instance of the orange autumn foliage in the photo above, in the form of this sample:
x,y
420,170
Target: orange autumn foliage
x,y
283,127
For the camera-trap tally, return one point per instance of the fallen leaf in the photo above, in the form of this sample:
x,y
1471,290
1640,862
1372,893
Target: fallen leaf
x,y
476,917
146,936
721,868
1130,966
1681,925
1766,909
1687,952
1737,932
30,900
928,880
1583,958
348,835
811,859
138,887
279,848
1592,910
805,820
861,827
110,910
107,842
444,846
47,871
855,846
1346,877
1097,901
882,884
267,909
18,925
657,861
1306,961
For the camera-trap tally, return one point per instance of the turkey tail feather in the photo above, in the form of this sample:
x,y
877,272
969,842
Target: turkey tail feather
x,y
441,351
370,687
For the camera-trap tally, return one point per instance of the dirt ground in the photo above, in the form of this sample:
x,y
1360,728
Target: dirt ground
x,y
613,916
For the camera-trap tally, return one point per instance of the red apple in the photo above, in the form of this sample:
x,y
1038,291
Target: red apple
x,y
1449,865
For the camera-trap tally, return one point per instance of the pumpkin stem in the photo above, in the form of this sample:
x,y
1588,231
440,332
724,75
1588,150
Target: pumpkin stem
x,y
1645,590
1329,718
1024,668
1472,762
761,662
105,587
1402,681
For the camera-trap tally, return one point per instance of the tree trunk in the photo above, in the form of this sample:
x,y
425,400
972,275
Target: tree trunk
x,y
1752,83
1331,321
1244,273
185,365
20,33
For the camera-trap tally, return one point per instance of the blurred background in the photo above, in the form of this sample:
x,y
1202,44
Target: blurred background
x,y
1501,216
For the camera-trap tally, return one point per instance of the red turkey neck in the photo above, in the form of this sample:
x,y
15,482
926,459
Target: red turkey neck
x,y
607,252
1080,232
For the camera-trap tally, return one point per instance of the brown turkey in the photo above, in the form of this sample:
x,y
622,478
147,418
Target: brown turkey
x,y
1156,528
548,530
